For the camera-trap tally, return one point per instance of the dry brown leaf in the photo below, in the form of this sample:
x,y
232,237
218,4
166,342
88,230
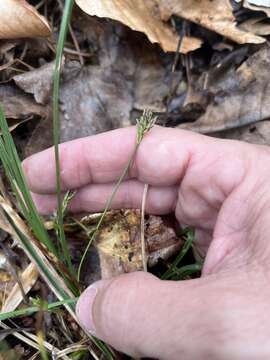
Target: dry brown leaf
x,y
6,283
20,20
37,82
258,6
15,297
214,15
257,25
94,99
237,97
19,105
119,243
255,134
141,16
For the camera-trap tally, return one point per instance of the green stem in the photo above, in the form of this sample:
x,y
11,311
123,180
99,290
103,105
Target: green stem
x,y
107,208
33,309
56,126
144,125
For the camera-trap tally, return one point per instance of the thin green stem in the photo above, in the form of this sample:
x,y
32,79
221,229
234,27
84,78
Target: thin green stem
x,y
14,172
144,125
187,246
56,126
33,309
107,208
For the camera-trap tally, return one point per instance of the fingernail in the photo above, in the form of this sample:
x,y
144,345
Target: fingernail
x,y
84,308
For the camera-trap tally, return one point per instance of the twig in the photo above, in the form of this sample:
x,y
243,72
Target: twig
x,y
144,259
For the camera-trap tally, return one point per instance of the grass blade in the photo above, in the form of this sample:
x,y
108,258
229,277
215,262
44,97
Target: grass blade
x,y
56,127
33,309
14,172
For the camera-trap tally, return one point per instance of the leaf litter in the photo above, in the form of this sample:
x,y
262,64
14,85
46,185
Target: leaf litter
x,y
202,66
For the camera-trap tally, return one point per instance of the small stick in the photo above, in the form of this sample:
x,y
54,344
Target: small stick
x,y
144,259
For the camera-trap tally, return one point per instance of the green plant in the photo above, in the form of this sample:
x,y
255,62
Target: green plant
x,y
176,271
144,125
33,237
56,127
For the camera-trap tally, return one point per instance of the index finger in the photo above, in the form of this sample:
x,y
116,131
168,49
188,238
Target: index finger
x,y
160,160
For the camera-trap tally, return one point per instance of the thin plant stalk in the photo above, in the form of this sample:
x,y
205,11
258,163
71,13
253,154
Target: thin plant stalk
x,y
42,350
56,131
144,259
56,127
34,309
14,172
144,125
174,267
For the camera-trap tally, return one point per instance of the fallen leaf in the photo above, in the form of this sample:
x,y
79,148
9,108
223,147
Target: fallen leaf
x,y
264,3
257,25
214,15
6,284
237,97
41,138
255,134
19,105
141,16
119,244
94,99
37,82
28,279
257,5
20,20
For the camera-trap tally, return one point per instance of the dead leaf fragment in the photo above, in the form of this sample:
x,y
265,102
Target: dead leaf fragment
x,y
258,5
214,15
254,134
37,82
237,97
257,25
20,20
141,16
19,105
28,279
94,99
119,243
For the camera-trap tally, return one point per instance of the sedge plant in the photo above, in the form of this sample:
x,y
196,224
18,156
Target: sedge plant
x,y
28,227
31,233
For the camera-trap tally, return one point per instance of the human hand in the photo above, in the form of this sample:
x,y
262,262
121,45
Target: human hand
x,y
221,188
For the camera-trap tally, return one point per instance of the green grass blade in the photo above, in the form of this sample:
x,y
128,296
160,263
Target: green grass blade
x,y
185,271
33,309
14,172
56,126
187,246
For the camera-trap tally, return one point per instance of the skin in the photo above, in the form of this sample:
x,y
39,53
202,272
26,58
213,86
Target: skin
x,y
221,188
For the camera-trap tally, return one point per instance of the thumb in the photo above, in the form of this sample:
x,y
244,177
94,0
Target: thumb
x,y
143,316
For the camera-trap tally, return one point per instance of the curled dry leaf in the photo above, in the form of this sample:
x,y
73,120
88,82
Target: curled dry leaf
x,y
257,5
149,17
20,20
141,16
119,243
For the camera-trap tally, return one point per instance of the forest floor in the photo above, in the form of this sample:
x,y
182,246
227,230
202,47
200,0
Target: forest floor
x,y
202,67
